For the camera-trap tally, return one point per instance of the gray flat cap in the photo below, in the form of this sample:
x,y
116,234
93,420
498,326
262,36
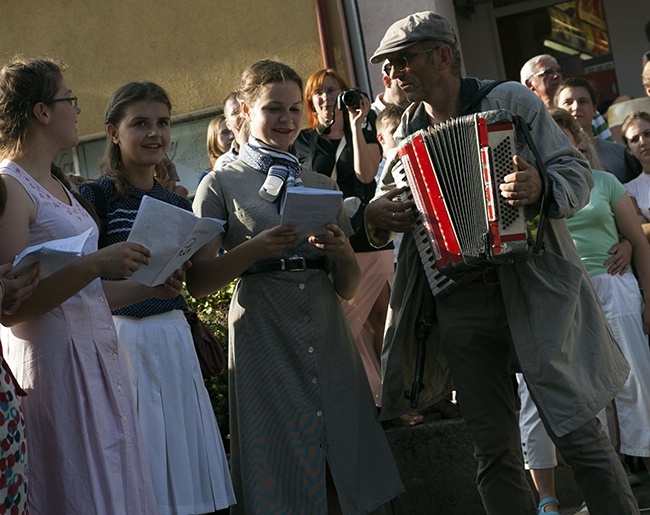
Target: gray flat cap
x,y
424,26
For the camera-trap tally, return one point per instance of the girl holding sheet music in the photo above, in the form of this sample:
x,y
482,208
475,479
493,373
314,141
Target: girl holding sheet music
x,y
304,431
86,452
182,440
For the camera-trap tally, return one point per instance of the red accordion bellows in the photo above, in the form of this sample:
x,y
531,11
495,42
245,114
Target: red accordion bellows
x,y
453,171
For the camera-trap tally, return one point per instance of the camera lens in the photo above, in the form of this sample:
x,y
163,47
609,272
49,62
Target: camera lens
x,y
351,98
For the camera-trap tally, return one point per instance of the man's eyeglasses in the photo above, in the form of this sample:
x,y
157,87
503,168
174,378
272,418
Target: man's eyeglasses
x,y
548,72
72,100
402,62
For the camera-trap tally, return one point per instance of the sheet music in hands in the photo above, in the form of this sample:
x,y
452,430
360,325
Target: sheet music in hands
x,y
310,209
53,255
172,235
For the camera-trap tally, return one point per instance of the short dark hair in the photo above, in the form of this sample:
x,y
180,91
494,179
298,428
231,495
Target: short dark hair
x,y
576,82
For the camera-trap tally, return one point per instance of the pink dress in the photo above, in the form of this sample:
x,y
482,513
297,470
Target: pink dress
x,y
86,453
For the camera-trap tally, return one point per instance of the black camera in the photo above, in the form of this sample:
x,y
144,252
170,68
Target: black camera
x,y
350,98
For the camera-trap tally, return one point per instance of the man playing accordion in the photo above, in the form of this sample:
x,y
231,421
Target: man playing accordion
x,y
539,315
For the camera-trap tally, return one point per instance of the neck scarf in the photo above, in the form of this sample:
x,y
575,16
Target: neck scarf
x,y
282,169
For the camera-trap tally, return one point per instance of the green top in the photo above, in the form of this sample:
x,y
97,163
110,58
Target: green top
x,y
593,228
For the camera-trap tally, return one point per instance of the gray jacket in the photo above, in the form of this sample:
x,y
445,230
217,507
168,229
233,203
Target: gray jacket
x,y
564,345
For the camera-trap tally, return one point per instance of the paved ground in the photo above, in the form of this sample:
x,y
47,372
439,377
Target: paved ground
x,y
438,468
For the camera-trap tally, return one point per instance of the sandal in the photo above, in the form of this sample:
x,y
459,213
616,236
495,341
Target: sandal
x,y
545,502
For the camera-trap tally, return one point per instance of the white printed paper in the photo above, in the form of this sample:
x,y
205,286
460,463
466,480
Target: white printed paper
x,y
53,255
310,209
172,235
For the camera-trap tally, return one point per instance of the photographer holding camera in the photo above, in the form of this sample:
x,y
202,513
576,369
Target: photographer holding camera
x,y
342,144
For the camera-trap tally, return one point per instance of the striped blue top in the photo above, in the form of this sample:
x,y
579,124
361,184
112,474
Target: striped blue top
x,y
121,214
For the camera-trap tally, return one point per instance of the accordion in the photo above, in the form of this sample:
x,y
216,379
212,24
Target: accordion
x,y
453,171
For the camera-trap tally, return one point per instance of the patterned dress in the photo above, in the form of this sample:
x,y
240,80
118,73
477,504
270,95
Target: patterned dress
x,y
299,400
13,449
86,453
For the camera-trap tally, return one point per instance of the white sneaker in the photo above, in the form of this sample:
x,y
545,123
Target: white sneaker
x,y
583,510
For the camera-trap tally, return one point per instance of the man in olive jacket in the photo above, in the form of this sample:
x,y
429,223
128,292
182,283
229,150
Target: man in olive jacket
x,y
541,315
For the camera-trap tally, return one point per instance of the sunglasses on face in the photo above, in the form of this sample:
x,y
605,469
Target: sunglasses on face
x,y
402,62
548,72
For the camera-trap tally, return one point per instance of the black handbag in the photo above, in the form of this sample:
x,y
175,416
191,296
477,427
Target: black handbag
x,y
212,359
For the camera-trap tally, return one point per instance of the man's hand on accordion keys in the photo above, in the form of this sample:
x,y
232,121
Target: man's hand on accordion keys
x,y
524,186
390,213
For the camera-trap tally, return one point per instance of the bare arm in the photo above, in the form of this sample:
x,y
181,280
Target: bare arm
x,y
645,225
126,293
366,155
16,290
628,226
119,260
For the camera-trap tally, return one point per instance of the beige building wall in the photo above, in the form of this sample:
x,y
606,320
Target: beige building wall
x,y
196,49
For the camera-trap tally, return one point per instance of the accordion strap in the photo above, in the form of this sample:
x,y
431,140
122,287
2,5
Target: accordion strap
x,y
546,185
472,106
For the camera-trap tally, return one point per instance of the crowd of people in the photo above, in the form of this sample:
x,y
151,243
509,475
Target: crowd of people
x,y
606,233
103,407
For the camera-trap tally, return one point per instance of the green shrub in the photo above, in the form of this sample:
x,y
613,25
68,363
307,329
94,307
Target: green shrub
x,y
213,310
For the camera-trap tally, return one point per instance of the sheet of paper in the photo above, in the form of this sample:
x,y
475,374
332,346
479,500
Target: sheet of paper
x,y
310,209
172,235
53,255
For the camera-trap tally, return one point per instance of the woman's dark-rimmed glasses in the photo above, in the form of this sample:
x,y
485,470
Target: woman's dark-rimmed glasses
x,y
72,100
